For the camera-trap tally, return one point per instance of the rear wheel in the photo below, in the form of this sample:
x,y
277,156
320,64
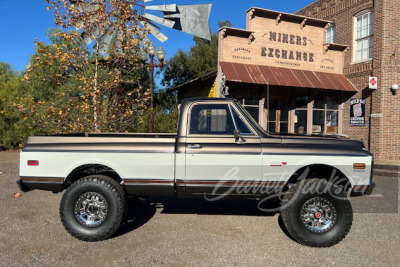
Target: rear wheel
x,y
92,208
317,213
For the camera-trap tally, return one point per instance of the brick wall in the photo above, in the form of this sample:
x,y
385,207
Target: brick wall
x,y
385,131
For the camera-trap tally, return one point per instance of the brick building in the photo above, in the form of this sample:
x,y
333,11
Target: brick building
x,y
383,128
309,72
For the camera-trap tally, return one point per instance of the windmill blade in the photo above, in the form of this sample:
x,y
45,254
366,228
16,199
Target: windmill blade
x,y
105,40
84,7
119,38
146,1
165,22
90,35
156,33
165,8
192,19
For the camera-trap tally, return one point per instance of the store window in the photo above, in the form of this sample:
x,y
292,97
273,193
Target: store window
x,y
272,116
300,119
284,115
364,36
279,115
331,34
325,115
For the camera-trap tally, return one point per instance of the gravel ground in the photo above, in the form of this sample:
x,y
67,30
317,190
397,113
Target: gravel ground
x,y
180,232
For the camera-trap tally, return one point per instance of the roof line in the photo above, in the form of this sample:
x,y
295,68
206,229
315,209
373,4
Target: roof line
x,y
289,14
203,77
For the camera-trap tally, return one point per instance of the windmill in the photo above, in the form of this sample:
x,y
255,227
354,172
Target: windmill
x,y
191,19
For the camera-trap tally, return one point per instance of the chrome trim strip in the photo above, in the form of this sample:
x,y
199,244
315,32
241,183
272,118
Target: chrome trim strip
x,y
223,153
98,151
317,154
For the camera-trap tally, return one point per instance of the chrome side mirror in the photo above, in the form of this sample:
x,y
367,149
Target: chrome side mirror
x,y
238,137
236,133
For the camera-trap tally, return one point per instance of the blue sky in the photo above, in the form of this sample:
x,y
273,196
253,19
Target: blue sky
x,y
23,20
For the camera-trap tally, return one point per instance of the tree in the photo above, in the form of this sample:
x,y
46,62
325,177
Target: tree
x,y
202,58
69,72
13,127
86,91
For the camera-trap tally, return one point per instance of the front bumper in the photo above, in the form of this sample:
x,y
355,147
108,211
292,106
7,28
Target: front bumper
x,y
361,190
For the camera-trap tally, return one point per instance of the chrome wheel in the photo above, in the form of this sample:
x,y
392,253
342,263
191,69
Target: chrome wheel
x,y
318,215
91,209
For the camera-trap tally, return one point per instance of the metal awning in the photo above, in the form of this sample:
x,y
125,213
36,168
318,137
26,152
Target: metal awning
x,y
256,74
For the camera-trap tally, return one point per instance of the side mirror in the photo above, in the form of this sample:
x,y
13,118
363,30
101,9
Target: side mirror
x,y
236,133
239,139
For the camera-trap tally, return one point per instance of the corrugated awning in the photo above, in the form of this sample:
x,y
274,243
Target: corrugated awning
x,y
257,74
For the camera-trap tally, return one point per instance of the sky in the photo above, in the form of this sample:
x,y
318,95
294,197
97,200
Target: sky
x,y
24,20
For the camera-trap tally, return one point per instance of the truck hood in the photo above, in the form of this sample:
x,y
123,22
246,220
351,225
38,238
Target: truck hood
x,y
314,145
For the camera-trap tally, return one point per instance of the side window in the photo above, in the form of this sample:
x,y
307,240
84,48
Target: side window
x,y
331,34
364,36
211,119
240,123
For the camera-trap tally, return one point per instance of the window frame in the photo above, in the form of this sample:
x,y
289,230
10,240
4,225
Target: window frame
x,y
229,107
325,109
369,37
331,27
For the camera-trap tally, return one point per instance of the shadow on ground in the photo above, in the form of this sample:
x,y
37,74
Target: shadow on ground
x,y
140,211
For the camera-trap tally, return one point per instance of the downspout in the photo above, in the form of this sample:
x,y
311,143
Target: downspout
x,y
370,104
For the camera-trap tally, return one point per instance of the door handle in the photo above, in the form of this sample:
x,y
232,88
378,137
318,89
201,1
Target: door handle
x,y
194,146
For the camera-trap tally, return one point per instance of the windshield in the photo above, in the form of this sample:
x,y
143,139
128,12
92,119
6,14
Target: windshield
x,y
250,119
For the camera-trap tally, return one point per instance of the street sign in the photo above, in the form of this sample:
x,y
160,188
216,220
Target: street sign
x,y
373,83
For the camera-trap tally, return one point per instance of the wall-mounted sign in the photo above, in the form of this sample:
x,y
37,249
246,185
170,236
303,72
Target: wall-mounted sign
x,y
291,42
373,83
357,112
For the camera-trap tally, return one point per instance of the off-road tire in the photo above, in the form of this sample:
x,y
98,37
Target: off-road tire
x,y
293,202
112,192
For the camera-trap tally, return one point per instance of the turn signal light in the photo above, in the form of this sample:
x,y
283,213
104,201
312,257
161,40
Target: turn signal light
x,y
359,166
33,163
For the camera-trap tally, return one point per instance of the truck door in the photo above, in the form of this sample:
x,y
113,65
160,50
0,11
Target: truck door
x,y
217,163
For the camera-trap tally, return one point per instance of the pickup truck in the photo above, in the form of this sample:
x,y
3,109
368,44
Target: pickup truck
x,y
219,151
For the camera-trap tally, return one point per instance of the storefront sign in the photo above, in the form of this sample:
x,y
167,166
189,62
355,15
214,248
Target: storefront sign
x,y
373,83
288,43
357,112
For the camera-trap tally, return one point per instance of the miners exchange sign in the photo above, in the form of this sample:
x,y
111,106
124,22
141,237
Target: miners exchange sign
x,y
289,41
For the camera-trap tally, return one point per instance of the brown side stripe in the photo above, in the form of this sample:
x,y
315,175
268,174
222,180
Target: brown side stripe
x,y
360,188
243,182
140,181
37,179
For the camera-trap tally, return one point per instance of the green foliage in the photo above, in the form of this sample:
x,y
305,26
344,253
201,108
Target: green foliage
x,y
201,59
165,115
13,126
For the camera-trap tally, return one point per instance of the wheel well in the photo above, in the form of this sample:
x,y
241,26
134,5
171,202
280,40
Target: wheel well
x,y
320,171
89,169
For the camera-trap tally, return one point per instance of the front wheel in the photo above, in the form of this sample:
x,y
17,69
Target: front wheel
x,y
316,213
92,208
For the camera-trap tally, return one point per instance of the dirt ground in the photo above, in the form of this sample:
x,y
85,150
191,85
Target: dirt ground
x,y
181,232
